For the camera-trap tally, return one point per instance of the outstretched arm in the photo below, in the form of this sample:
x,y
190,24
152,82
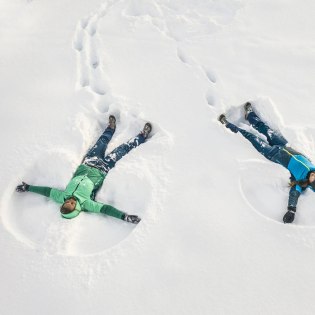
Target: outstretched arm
x,y
45,191
294,195
93,206
55,194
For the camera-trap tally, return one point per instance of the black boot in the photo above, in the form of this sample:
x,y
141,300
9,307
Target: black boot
x,y
146,129
222,119
112,122
248,109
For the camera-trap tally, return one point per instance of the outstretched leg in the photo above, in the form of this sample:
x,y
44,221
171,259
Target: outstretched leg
x,y
99,148
113,157
267,150
264,148
273,137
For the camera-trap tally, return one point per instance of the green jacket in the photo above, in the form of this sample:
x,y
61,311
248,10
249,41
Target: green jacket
x,y
83,186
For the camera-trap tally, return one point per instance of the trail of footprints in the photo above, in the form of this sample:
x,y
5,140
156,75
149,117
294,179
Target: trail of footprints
x,y
210,96
86,43
90,69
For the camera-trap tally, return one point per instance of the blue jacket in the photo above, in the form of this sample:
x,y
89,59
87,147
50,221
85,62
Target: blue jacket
x,y
299,166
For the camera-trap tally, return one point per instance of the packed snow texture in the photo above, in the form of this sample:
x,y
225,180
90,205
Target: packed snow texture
x,y
211,239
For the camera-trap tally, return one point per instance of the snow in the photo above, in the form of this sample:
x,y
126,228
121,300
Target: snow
x,y
211,239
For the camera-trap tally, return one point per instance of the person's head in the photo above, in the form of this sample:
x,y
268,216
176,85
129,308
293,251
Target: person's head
x,y
311,178
68,206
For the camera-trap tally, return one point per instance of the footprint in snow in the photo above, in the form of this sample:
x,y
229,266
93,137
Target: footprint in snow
x,y
210,75
97,84
210,98
93,58
84,76
92,26
78,40
84,22
182,56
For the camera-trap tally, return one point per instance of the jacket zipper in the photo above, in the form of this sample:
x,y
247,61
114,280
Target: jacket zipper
x,y
78,185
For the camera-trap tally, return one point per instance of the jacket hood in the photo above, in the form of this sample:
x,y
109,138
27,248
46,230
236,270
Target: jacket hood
x,y
71,215
75,212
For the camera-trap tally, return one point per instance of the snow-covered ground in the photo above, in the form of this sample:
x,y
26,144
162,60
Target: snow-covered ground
x,y
211,239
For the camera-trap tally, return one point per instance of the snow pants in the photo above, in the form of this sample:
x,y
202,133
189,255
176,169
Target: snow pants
x,y
96,155
270,149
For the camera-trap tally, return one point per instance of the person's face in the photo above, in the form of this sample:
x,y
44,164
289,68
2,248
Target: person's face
x,y
312,177
69,204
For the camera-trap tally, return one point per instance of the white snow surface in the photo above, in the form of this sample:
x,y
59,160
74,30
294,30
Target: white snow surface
x,y
211,239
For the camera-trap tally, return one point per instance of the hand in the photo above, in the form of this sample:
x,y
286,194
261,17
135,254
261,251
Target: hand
x,y
289,216
22,188
132,218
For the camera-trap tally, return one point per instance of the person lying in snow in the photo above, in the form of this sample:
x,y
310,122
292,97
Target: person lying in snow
x,y
88,178
276,150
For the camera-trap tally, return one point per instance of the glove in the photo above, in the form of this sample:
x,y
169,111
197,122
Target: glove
x,y
22,188
131,218
289,216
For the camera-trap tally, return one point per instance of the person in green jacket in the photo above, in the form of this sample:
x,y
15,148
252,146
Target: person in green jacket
x,y
88,178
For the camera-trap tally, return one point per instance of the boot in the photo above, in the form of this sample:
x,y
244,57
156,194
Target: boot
x,y
222,119
248,109
112,122
146,129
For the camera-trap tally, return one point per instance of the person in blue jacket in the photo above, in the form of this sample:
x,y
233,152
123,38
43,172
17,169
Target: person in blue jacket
x,y
276,150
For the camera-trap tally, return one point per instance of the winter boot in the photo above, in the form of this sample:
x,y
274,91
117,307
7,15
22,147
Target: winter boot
x,y
222,119
131,218
248,109
146,129
112,122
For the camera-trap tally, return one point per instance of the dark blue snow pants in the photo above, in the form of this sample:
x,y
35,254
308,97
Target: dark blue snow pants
x,y
270,149
96,155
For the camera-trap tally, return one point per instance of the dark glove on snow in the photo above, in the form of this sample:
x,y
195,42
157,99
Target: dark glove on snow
x,y
22,188
131,218
289,216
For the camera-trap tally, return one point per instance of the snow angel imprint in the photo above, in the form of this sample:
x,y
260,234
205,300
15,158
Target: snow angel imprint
x,y
88,178
276,150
